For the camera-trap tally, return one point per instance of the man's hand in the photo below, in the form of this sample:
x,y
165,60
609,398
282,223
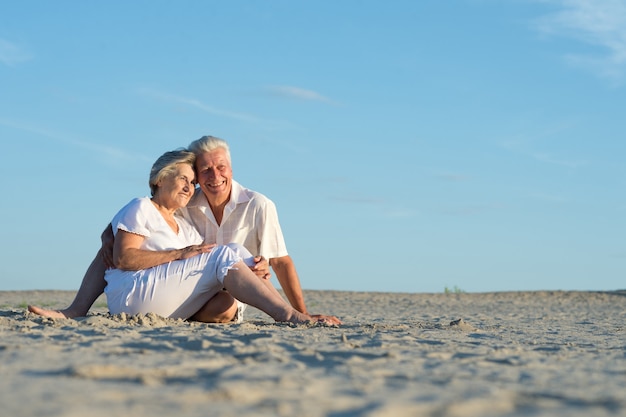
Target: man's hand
x,y
261,268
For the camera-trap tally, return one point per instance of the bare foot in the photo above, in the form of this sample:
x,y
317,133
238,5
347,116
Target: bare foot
x,y
55,314
300,318
321,318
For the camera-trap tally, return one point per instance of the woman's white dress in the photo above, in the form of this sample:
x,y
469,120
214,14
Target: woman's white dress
x,y
177,289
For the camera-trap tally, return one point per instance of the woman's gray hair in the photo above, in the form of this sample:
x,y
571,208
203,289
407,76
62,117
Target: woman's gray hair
x,y
209,144
166,165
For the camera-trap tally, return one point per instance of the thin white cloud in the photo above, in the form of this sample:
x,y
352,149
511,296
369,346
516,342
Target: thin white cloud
x,y
387,210
525,145
297,93
192,102
546,157
103,150
11,54
471,209
550,198
452,177
355,199
401,213
600,23
197,104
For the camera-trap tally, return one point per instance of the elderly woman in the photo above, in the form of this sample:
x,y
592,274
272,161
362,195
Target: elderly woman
x,y
162,265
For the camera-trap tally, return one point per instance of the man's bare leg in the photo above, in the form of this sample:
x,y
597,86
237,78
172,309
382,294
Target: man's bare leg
x,y
90,289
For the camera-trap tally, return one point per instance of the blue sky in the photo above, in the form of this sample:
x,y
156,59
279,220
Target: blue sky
x,y
409,145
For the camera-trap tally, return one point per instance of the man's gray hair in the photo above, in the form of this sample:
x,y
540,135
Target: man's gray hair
x,y
209,144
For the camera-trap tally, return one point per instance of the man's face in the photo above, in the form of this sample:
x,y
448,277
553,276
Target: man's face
x,y
214,174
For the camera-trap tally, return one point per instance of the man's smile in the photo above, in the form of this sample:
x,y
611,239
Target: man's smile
x,y
217,184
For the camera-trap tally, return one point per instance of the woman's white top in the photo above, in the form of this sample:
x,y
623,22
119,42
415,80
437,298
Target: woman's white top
x,y
141,217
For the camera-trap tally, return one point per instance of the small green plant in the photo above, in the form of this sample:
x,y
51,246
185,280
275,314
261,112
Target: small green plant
x,y
453,290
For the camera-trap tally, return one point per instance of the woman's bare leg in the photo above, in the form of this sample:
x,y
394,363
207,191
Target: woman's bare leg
x,y
90,289
222,308
242,284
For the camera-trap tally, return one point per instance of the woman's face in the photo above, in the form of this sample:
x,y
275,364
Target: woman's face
x,y
175,190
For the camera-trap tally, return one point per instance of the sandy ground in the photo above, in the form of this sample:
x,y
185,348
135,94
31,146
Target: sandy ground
x,y
488,354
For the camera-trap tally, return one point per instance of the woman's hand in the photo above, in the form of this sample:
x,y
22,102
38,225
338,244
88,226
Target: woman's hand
x,y
194,250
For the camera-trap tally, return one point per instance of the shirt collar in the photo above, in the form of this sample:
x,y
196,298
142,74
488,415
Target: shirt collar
x,y
237,196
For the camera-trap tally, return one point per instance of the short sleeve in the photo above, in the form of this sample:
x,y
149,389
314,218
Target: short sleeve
x,y
132,218
269,233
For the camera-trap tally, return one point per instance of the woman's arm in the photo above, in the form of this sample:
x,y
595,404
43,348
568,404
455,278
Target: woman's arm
x,y
127,255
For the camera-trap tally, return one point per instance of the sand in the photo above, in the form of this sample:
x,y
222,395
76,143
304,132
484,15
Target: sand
x,y
487,354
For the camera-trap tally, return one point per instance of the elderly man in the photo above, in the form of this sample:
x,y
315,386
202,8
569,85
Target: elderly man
x,y
224,212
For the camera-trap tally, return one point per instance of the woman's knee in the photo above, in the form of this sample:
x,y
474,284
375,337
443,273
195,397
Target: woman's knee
x,y
239,248
242,252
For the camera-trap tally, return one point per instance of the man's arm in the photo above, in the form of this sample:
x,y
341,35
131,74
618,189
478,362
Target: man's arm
x,y
288,278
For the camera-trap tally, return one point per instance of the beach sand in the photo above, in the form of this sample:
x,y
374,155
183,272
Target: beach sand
x,y
487,354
